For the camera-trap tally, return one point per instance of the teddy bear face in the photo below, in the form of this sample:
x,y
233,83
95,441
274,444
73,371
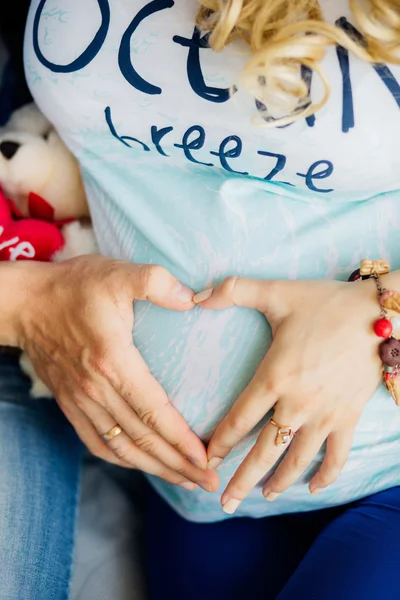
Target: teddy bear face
x,y
26,164
34,160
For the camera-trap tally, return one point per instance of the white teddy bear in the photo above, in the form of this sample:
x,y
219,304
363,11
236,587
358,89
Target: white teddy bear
x,y
42,195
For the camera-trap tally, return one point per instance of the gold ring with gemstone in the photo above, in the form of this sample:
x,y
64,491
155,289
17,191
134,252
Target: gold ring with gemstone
x,y
284,433
112,433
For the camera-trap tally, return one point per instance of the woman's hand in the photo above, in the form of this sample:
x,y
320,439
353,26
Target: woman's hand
x,y
76,326
318,374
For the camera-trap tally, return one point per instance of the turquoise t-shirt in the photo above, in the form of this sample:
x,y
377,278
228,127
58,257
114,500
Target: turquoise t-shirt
x,y
182,174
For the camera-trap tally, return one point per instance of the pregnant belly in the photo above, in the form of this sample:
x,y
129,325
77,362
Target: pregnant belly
x,y
202,359
205,359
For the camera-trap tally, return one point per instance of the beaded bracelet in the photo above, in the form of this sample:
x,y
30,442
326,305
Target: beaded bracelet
x,y
384,327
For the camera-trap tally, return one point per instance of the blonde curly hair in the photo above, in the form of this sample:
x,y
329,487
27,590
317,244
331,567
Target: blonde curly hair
x,y
285,36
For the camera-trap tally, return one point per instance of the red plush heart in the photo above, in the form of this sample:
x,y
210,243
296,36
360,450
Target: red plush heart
x,y
39,208
26,239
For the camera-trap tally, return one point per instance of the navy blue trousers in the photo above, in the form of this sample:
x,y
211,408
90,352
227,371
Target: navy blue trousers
x,y
346,553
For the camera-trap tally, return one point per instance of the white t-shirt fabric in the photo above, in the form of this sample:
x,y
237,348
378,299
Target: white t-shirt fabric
x,y
177,173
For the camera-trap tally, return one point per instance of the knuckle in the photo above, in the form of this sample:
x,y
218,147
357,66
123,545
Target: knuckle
x,y
146,443
326,422
277,486
302,406
80,402
294,415
150,417
239,426
157,272
185,437
264,459
270,386
228,286
150,276
278,380
87,386
143,280
181,470
298,463
275,289
123,452
101,364
167,476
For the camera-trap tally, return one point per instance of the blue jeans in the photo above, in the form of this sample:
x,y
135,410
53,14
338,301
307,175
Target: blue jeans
x,y
40,457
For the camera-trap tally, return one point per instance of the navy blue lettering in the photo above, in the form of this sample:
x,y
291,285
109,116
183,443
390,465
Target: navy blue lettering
x,y
234,152
389,80
383,71
124,54
121,138
194,144
194,72
307,75
157,135
313,173
280,163
87,55
347,102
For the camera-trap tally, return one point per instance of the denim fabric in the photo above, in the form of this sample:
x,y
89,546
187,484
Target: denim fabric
x,y
39,486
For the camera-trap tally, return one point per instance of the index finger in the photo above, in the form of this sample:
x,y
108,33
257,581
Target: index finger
x,y
132,380
252,406
237,291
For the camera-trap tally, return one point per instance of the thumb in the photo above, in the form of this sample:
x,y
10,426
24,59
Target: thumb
x,y
156,284
264,295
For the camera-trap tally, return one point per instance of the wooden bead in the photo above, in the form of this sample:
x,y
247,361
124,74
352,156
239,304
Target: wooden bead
x,y
389,351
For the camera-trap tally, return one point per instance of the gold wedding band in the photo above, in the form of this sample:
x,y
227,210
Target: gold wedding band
x,y
283,435
112,433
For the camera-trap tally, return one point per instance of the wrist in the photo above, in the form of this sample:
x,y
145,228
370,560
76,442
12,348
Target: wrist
x,y
369,293
20,291
391,281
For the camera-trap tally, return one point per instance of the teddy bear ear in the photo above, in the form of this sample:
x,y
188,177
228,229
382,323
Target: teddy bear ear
x,y
29,119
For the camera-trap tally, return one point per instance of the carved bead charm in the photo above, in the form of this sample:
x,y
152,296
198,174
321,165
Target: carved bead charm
x,y
383,328
374,267
392,387
390,300
389,351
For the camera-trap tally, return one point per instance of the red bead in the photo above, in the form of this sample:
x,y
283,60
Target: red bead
x,y
388,376
383,328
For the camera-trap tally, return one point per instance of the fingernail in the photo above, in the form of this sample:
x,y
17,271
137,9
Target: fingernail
x,y
316,491
189,486
206,486
230,506
183,293
214,462
202,296
271,496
